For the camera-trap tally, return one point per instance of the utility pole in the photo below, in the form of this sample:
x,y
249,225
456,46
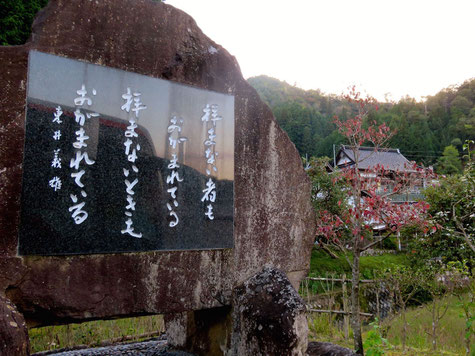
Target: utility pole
x,y
334,157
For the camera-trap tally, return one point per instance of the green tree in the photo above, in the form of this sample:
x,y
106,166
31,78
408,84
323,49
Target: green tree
x,y
457,143
452,205
16,17
466,126
450,162
365,207
328,193
423,129
328,190
405,283
461,106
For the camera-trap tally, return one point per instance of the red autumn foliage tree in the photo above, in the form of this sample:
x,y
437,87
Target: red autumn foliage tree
x,y
369,199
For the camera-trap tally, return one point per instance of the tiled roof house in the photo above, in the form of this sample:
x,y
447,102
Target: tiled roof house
x,y
392,160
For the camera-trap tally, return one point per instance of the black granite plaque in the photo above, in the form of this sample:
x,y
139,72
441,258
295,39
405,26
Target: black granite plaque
x,y
116,162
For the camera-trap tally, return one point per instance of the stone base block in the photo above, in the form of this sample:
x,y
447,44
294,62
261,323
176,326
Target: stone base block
x,y
202,332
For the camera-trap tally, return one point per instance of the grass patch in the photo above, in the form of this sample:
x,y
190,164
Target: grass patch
x,y
322,264
92,333
419,344
451,330
322,327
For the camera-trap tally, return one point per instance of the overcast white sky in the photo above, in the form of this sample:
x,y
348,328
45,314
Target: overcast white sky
x,y
414,47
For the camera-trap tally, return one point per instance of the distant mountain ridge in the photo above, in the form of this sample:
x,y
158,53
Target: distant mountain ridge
x,y
424,129
275,92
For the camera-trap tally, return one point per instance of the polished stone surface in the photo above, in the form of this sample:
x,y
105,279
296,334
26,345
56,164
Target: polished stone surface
x,y
99,179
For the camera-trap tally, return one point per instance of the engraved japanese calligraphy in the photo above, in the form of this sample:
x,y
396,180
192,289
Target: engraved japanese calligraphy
x,y
119,162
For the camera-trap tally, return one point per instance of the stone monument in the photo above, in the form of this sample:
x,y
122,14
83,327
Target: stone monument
x,y
139,174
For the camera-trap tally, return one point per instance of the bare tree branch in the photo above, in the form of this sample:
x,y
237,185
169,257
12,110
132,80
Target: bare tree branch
x,y
327,250
376,242
461,228
443,314
344,251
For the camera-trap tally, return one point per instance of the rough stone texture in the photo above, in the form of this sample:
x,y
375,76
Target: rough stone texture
x,y
14,333
204,332
273,216
328,349
161,347
154,347
59,289
268,317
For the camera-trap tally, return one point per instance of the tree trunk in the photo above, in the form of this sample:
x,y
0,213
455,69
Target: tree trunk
x,y
434,325
378,309
355,303
346,319
404,328
468,330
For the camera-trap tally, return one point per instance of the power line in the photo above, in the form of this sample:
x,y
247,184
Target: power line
x,y
403,150
421,155
418,154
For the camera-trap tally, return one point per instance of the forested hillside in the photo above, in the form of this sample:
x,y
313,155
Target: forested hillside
x,y
16,18
424,129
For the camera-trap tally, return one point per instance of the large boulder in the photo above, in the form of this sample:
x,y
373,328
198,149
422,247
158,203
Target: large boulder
x,y
269,317
273,219
328,349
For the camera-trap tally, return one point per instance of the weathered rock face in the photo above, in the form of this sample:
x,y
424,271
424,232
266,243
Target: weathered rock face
x,y
269,317
327,349
273,216
14,334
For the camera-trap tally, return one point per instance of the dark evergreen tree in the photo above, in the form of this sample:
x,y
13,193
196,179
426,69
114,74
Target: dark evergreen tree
x,y
423,129
450,162
16,17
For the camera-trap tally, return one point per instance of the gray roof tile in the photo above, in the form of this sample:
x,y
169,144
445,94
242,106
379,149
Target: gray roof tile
x,y
390,158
